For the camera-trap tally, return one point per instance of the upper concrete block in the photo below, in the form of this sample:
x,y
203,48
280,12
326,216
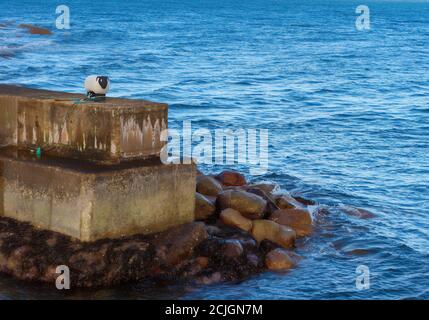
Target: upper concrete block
x,y
64,125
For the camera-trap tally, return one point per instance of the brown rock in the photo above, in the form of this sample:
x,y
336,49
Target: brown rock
x,y
304,201
285,237
204,208
208,186
270,230
271,204
297,219
248,204
284,202
234,218
203,262
35,30
231,178
279,260
266,187
232,249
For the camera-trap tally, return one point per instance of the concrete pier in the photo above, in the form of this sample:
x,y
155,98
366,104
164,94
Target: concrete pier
x,y
64,125
99,175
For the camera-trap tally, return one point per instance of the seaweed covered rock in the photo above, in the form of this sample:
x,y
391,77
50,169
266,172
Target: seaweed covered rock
x,y
179,242
31,254
235,259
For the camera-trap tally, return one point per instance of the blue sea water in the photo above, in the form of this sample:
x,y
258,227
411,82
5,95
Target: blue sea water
x,y
347,113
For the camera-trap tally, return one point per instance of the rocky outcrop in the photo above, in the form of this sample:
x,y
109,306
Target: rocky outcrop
x,y
234,218
242,232
204,207
248,204
297,219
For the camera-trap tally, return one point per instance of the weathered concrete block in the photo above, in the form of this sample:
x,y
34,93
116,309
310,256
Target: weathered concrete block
x,y
64,125
90,201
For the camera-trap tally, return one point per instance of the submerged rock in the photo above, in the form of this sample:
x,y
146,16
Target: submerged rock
x,y
231,178
35,30
234,218
208,186
248,204
279,260
304,201
297,219
204,208
357,212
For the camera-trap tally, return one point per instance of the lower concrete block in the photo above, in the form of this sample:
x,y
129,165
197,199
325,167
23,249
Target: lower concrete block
x,y
89,201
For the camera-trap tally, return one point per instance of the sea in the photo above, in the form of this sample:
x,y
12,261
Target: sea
x,y
342,88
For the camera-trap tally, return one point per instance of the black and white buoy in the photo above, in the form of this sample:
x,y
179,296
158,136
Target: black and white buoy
x,y
97,87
